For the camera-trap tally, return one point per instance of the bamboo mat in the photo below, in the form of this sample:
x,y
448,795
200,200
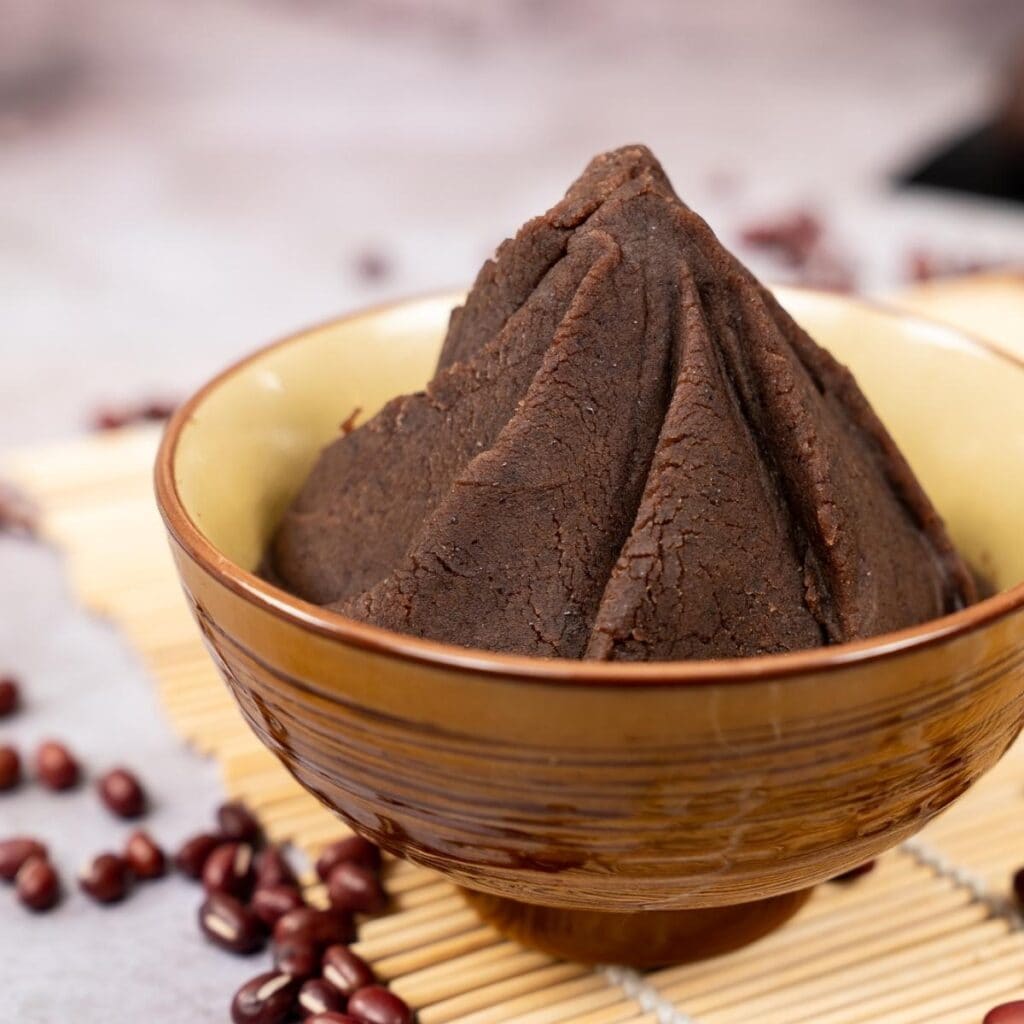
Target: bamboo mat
x,y
930,936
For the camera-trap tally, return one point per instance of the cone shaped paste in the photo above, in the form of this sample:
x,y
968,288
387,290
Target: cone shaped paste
x,y
629,451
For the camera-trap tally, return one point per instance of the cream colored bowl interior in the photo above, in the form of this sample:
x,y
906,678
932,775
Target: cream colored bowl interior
x,y
956,410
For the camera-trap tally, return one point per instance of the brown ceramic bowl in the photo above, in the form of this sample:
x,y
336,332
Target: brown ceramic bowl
x,y
596,788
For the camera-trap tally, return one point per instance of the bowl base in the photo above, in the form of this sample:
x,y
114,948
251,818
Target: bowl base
x,y
651,938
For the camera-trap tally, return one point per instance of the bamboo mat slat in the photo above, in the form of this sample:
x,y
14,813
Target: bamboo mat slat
x,y
931,937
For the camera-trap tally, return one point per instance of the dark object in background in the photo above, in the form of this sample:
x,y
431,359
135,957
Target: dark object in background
x,y
235,821
144,857
194,853
988,159
15,851
153,410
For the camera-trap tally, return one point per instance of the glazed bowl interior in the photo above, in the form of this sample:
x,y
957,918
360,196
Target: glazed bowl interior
x,y
953,406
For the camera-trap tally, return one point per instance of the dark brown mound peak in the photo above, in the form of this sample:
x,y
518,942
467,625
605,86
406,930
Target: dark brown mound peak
x,y
629,451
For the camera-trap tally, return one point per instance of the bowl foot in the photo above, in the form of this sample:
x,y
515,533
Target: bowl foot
x,y
651,938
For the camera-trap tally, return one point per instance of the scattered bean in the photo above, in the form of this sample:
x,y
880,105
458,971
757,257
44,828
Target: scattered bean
x,y
355,888
321,927
37,883
376,1005
194,853
272,869
10,696
1018,887
56,766
271,902
319,996
297,956
144,857
10,767
346,971
1006,1013
331,1018
230,924
229,869
854,873
14,852
122,793
105,879
266,999
354,849
236,822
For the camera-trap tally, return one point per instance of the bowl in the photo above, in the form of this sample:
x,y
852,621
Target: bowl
x,y
638,813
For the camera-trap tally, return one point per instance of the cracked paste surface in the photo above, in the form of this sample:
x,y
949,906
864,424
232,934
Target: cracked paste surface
x,y
629,452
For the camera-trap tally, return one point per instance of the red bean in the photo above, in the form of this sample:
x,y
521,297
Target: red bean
x,y
322,927
10,767
297,956
376,1005
1006,1013
354,849
266,999
105,879
355,888
319,996
331,1018
192,856
236,822
144,857
229,869
272,868
122,793
37,883
346,971
229,924
271,902
14,852
10,696
854,873
56,766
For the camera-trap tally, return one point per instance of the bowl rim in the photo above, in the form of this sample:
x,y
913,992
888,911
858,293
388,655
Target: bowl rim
x,y
431,653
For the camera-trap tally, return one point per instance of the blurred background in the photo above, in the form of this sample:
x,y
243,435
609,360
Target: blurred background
x,y
182,181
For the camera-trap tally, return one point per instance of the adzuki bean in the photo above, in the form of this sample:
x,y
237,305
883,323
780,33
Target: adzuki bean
x,y
230,924
192,856
376,1005
297,957
271,902
321,927
105,879
37,884
272,868
10,696
353,849
56,766
10,767
1006,1013
346,971
229,869
122,793
319,996
144,857
266,999
15,851
236,822
355,888
331,1018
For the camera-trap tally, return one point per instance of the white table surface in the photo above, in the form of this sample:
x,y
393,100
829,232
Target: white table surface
x,y
179,183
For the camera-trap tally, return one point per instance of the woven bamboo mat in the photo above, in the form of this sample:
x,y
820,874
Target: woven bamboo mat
x,y
930,936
